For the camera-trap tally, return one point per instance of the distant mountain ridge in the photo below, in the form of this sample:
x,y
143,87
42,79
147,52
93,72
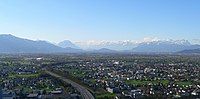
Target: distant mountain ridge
x,y
165,46
12,44
112,45
104,50
191,51
67,44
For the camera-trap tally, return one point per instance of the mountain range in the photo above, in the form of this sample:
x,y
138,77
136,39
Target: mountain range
x,y
165,46
103,50
191,51
113,45
12,44
67,44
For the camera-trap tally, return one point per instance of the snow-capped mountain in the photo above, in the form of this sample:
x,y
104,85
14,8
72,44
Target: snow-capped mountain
x,y
12,44
139,46
181,42
165,46
113,45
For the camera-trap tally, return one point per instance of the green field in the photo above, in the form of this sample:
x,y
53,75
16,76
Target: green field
x,y
184,83
105,96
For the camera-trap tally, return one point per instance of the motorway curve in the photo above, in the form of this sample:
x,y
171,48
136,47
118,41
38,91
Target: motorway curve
x,y
84,92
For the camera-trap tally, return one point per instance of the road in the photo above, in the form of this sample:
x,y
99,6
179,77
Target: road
x,y
84,92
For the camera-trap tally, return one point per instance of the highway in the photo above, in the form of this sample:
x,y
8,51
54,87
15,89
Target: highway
x,y
84,92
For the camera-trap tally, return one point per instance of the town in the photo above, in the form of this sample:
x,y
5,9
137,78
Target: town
x,y
105,76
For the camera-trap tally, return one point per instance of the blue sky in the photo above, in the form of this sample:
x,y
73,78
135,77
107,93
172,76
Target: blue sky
x,y
80,20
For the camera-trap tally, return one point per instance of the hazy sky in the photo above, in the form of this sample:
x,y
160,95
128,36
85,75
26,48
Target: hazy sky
x,y
79,20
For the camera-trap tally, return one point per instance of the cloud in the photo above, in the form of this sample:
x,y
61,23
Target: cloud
x,y
150,39
196,41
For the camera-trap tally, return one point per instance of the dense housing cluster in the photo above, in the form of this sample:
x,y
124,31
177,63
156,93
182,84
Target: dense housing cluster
x,y
22,77
121,76
137,76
